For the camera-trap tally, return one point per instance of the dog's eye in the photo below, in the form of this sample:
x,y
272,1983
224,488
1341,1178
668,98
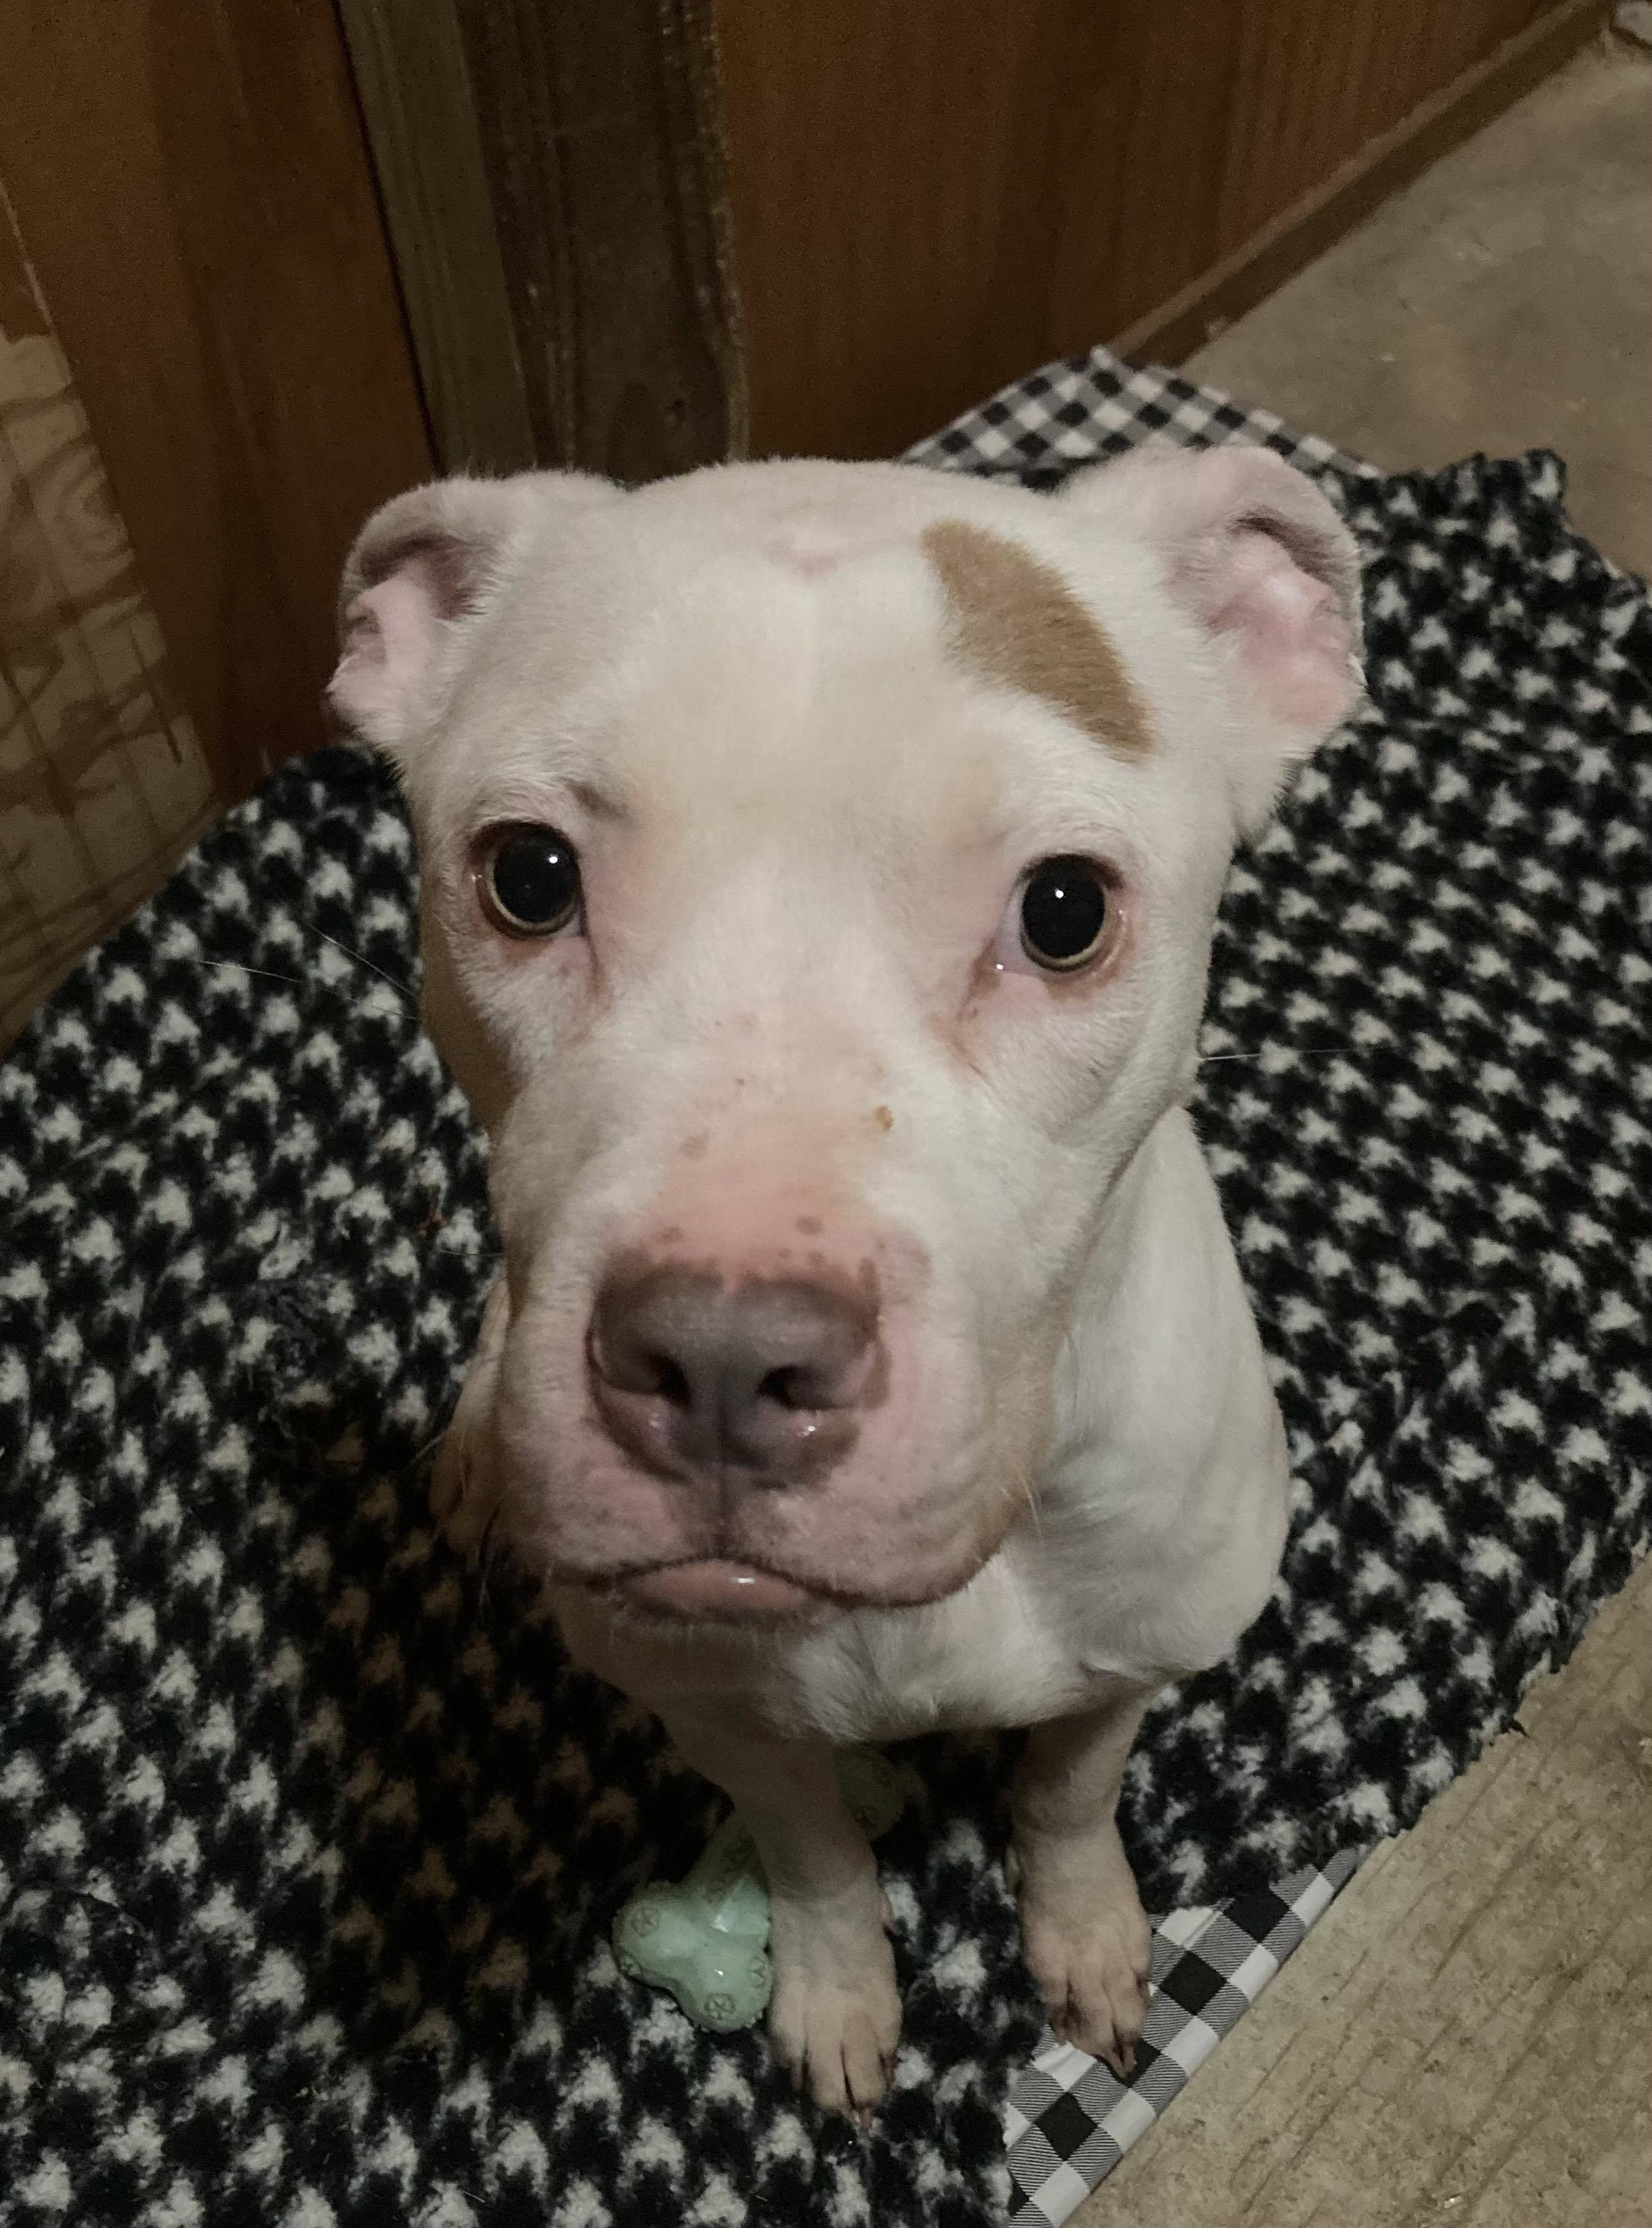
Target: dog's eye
x,y
1063,914
529,879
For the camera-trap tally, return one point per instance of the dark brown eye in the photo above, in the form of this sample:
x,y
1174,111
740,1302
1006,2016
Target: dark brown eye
x,y
1063,914
529,881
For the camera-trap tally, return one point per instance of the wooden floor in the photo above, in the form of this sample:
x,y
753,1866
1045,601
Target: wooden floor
x,y
1503,302
1465,2039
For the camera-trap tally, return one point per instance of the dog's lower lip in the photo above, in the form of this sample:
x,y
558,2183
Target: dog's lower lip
x,y
738,1593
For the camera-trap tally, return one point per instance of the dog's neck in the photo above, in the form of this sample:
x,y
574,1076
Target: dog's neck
x,y
1160,1364
1156,1524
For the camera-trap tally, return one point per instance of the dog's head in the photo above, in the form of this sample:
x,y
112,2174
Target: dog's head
x,y
819,863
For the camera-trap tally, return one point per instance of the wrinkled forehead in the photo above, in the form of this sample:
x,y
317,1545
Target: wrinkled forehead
x,y
795,699
817,661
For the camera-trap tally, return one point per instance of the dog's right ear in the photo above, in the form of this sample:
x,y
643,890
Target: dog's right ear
x,y
426,565
1258,558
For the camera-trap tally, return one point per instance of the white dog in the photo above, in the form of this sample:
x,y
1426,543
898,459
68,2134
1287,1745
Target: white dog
x,y
819,863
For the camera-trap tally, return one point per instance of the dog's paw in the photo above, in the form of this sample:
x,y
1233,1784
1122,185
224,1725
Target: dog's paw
x,y
834,2014
1089,1947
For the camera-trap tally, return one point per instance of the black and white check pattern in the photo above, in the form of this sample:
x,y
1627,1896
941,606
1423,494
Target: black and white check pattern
x,y
308,1851
1070,2119
1070,414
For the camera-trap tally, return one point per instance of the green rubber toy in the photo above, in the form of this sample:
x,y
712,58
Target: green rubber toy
x,y
705,1939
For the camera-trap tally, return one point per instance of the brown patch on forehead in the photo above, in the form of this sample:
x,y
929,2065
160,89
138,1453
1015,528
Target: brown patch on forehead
x,y
1017,623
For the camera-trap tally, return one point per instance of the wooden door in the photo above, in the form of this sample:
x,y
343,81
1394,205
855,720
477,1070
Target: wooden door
x,y
192,195
204,386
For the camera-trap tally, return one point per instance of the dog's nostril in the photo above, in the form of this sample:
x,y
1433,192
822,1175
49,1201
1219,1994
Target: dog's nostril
x,y
789,1388
668,1378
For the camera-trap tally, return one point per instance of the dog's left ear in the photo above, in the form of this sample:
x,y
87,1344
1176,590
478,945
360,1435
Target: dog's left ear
x,y
424,567
1258,557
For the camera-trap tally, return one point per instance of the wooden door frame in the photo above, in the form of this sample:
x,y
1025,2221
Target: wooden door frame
x,y
555,194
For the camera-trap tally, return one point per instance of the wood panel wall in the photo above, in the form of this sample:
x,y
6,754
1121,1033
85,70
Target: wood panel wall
x,y
932,197
194,197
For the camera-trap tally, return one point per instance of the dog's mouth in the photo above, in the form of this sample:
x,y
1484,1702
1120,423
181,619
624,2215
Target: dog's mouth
x,y
716,1589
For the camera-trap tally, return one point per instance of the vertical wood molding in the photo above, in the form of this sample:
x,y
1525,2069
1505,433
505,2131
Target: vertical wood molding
x,y
693,75
419,106
554,181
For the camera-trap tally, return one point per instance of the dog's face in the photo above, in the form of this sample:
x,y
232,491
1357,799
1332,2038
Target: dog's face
x,y
818,867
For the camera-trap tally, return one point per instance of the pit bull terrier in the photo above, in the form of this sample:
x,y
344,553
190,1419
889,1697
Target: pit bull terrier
x,y
819,864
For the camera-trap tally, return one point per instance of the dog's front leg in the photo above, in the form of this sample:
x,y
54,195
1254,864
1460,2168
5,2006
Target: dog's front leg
x,y
834,2016
1083,1931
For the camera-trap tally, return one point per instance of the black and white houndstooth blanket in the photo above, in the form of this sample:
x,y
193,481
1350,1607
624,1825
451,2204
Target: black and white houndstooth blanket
x,y
309,1846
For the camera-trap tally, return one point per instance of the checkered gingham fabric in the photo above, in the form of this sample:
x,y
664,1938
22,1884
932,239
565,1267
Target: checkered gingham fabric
x,y
1074,413
1070,2119
309,1846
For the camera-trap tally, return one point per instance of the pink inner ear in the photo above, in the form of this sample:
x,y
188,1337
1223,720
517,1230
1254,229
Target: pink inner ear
x,y
400,613
1292,638
390,633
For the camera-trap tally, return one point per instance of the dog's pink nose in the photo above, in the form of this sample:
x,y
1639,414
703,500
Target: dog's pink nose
x,y
692,1375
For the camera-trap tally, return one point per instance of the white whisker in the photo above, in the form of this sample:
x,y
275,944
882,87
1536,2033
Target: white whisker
x,y
1210,1058
402,990
239,967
